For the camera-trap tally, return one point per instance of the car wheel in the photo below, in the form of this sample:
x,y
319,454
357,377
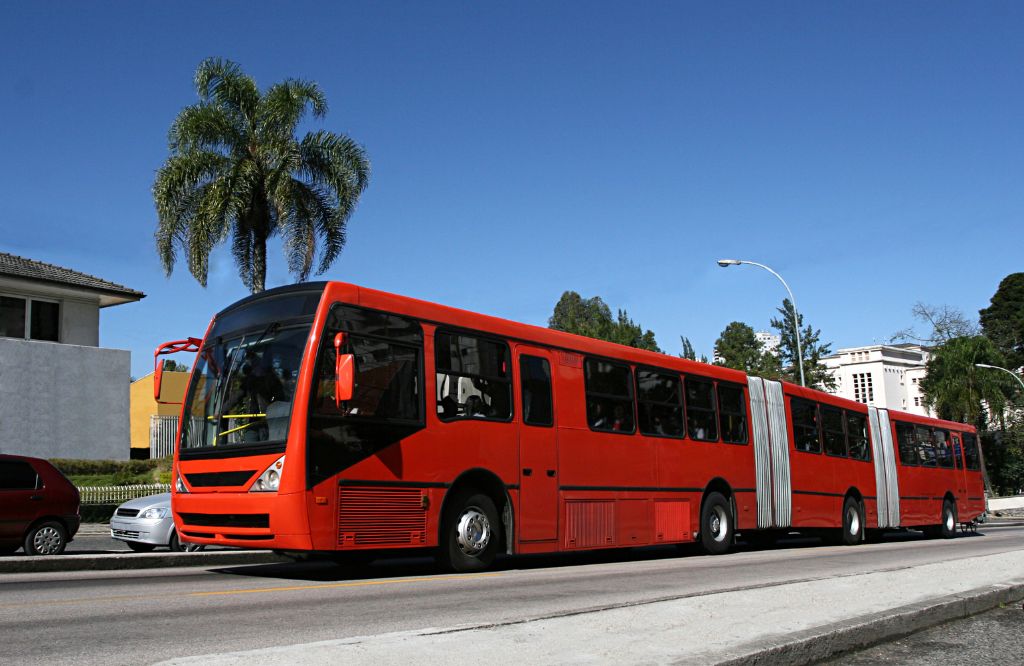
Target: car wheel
x,y
140,547
47,538
470,533
716,527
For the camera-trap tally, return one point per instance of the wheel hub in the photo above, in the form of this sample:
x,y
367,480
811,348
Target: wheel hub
x,y
473,532
46,541
719,524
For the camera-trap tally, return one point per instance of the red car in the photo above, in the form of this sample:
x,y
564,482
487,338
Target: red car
x,y
38,507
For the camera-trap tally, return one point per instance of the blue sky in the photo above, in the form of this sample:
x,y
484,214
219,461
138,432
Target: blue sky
x,y
872,153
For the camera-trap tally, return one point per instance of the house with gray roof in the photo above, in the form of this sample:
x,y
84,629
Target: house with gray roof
x,y
61,394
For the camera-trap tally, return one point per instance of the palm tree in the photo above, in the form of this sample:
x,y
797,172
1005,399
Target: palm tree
x,y
236,169
956,389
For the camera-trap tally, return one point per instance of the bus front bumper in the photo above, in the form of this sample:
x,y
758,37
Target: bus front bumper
x,y
243,520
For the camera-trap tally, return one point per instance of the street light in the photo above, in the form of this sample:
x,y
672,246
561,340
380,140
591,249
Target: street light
x,y
725,263
996,367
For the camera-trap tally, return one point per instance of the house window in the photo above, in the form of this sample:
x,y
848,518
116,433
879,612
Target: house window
x,y
863,390
29,318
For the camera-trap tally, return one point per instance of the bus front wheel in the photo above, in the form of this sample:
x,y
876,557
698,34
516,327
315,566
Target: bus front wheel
x,y
470,533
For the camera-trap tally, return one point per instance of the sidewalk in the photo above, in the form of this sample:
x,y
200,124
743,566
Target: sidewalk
x,y
792,623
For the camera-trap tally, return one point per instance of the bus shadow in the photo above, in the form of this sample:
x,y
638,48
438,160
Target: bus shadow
x,y
327,571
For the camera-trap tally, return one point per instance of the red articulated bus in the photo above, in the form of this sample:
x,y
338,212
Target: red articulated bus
x,y
333,418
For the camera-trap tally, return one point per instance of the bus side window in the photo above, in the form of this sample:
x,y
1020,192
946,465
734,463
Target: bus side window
x,y
857,436
535,377
943,454
732,411
957,452
905,440
701,409
659,400
832,431
971,458
925,447
473,377
805,425
609,388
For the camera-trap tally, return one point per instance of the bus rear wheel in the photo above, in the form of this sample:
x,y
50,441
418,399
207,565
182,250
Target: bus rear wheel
x,y
716,524
853,523
470,533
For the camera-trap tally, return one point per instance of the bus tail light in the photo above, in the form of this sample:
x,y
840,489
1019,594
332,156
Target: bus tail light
x,y
270,480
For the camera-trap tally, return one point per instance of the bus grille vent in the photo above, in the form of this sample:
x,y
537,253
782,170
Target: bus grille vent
x,y
589,524
381,517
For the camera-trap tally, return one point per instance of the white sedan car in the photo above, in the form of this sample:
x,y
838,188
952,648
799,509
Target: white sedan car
x,y
146,523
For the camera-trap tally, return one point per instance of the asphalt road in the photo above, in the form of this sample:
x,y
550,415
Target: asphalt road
x,y
131,617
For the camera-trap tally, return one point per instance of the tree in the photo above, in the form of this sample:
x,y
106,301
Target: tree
x,y
956,389
170,365
945,322
688,352
738,347
593,318
1002,321
816,375
237,170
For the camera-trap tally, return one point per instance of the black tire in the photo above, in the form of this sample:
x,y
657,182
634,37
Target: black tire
x,y
140,547
46,538
470,533
716,524
853,522
178,546
947,529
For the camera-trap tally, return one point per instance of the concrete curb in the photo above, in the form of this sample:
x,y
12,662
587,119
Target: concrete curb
x,y
815,645
120,561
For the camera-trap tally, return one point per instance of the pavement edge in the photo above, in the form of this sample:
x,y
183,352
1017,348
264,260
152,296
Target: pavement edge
x,y
107,562
815,645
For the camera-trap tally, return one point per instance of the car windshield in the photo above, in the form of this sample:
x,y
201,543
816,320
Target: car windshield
x,y
244,382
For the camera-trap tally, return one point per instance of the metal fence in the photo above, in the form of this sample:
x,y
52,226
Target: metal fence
x,y
118,494
162,431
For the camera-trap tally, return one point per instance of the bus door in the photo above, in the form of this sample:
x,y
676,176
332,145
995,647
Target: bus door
x,y
961,473
538,447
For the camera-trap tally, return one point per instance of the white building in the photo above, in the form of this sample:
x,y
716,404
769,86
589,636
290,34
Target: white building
x,y
769,342
881,375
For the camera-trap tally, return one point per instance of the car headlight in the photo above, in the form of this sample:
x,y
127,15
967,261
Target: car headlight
x,y
270,480
154,513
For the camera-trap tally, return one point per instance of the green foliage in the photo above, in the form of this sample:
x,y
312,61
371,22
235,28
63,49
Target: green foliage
x,y
738,347
687,349
114,472
816,375
1004,458
955,388
236,169
1002,321
170,365
593,318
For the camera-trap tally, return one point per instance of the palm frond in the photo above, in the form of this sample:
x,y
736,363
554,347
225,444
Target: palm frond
x,y
285,103
223,83
206,127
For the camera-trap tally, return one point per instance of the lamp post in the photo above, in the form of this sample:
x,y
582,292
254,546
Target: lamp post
x,y
996,367
725,263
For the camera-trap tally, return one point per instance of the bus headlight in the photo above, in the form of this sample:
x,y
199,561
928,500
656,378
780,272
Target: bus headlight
x,y
269,480
179,485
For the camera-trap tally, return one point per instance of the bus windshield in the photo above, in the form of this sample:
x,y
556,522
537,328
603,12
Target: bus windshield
x,y
244,381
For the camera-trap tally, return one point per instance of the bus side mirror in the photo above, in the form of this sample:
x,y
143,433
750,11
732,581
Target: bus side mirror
x,y
344,372
158,378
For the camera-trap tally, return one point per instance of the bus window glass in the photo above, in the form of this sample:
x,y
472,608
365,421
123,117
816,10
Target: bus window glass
x,y
701,412
732,413
805,425
473,378
971,458
609,389
943,454
957,452
925,447
857,436
535,377
659,403
832,431
905,442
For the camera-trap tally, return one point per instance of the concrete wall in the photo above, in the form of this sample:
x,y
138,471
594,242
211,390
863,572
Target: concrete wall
x,y
63,401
